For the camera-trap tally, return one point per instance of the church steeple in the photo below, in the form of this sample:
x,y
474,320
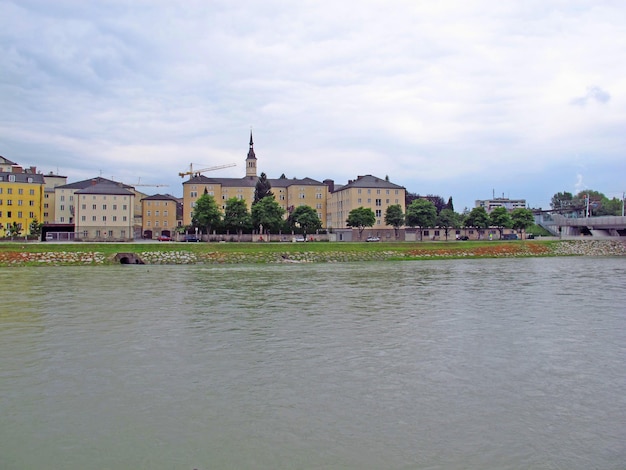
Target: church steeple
x,y
251,159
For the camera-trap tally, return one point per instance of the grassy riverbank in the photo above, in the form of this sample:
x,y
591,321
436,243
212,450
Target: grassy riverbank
x,y
24,254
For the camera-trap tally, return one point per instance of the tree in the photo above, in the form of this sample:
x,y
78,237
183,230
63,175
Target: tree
x,y
35,228
522,219
447,219
262,188
304,218
360,218
500,218
394,217
267,214
206,213
421,213
236,215
562,201
438,201
450,204
14,230
477,218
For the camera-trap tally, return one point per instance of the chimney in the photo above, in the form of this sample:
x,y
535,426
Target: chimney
x,y
331,185
17,169
94,182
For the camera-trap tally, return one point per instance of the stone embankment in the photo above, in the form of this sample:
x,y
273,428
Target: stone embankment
x,y
500,250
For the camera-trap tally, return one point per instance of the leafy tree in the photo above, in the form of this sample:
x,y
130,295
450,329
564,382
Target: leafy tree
x,y
206,213
594,204
267,214
500,218
394,217
360,218
438,202
611,207
562,201
450,205
421,213
236,215
262,188
448,219
304,218
14,230
35,227
477,218
522,219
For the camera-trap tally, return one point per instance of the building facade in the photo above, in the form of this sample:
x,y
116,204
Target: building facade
x,y
161,215
508,204
366,191
104,212
289,193
21,198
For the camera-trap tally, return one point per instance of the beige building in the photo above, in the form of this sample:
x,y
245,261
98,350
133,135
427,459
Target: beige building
x,y
161,215
289,193
104,212
49,197
366,191
508,204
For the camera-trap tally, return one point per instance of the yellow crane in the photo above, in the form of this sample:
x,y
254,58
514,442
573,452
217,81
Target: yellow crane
x,y
197,172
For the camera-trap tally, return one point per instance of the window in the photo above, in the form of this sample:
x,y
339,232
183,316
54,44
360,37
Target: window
x,y
9,190
9,202
97,233
148,224
45,206
124,218
110,233
62,198
114,218
379,213
104,218
426,233
12,178
149,213
104,207
114,207
124,207
94,207
123,233
85,233
156,223
194,194
164,213
165,223
83,218
31,215
93,218
156,213
62,208
379,202
20,191
84,206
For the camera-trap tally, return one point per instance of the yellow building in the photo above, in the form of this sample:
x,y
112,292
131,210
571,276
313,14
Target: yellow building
x,y
366,191
161,215
289,193
21,197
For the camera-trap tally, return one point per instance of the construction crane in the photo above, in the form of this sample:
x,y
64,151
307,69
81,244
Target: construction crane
x,y
139,183
197,172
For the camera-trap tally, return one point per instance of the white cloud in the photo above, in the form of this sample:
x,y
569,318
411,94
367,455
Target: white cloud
x,y
450,95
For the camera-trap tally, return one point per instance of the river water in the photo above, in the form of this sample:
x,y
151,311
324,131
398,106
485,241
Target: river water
x,y
464,364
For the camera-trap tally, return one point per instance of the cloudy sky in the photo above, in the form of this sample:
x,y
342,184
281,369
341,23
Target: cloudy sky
x,y
464,98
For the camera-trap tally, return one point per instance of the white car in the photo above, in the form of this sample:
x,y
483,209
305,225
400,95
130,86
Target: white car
x,y
372,239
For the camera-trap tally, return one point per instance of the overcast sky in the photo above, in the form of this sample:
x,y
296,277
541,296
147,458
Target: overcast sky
x,y
464,98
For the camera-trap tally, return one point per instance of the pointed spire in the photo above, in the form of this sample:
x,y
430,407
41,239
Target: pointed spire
x,y
251,154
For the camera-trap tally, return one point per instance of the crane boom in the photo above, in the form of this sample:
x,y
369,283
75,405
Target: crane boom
x,y
197,172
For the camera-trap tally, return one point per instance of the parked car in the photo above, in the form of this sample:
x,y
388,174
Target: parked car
x,y
164,238
372,239
191,238
509,236
463,237
530,236
300,239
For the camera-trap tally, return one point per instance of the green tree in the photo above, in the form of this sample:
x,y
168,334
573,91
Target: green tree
x,y
394,217
360,218
477,218
267,215
421,213
262,189
447,219
500,218
450,204
14,230
304,218
522,219
35,227
206,213
236,216
611,207
562,201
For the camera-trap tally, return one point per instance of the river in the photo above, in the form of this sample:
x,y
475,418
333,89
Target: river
x,y
460,364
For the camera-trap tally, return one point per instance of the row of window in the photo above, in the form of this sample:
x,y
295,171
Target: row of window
x,y
19,191
156,223
103,233
11,179
94,218
20,214
20,202
156,213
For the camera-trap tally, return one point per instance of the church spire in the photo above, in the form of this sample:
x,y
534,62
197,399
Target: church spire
x,y
251,159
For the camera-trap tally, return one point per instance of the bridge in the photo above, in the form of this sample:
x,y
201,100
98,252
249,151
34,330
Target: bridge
x,y
562,226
